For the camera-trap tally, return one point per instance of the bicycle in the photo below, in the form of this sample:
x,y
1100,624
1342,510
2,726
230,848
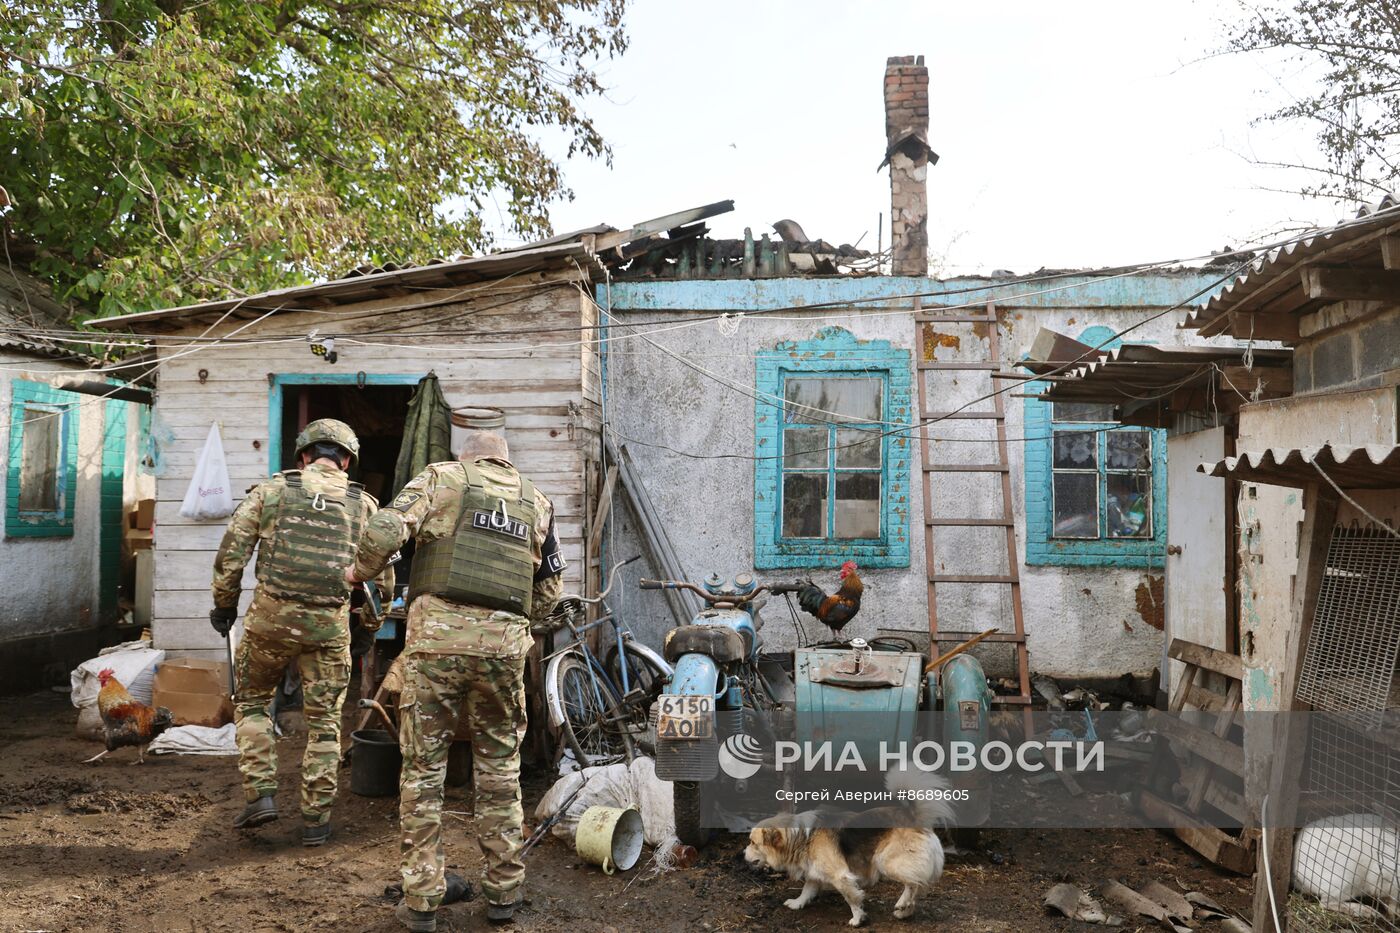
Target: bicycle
x,y
598,707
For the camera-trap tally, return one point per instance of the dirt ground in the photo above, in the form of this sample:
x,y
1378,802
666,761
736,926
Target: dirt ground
x,y
125,849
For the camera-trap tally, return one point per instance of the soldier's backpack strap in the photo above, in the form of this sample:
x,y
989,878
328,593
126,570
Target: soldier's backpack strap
x,y
355,490
292,477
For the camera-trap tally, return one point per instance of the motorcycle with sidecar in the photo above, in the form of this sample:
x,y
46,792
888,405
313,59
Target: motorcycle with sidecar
x,y
726,699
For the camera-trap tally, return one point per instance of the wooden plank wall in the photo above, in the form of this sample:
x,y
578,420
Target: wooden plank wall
x,y
499,353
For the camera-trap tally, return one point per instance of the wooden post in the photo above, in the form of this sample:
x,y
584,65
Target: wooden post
x,y
1290,731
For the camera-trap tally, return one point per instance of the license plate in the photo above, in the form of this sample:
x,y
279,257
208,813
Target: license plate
x,y
685,717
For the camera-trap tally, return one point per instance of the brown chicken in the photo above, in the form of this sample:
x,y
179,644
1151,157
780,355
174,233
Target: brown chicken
x,y
126,721
834,610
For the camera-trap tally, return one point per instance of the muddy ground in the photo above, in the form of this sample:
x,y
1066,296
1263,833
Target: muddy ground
x,y
111,847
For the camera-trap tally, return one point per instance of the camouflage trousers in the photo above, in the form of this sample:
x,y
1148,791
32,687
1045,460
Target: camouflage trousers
x,y
325,673
434,693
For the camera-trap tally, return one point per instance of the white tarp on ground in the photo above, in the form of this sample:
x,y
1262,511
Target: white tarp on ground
x,y
133,664
195,740
619,785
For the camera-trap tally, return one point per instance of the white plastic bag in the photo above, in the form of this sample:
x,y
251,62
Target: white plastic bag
x,y
209,495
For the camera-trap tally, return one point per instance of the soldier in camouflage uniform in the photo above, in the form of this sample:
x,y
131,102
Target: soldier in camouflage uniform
x,y
304,524
487,562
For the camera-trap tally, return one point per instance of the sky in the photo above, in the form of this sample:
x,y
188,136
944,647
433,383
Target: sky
x,y
1075,134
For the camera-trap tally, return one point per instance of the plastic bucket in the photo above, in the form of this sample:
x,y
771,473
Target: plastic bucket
x,y
610,837
374,763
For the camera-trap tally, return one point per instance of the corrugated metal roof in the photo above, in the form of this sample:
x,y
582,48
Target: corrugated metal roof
x,y
1374,466
1272,284
27,307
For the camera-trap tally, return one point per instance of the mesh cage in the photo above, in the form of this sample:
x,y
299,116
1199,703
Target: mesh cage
x,y
1346,866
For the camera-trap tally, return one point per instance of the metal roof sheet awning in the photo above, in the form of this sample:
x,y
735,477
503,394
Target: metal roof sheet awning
x,y
1374,466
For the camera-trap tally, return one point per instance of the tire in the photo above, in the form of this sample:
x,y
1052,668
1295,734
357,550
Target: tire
x,y
642,670
592,714
686,807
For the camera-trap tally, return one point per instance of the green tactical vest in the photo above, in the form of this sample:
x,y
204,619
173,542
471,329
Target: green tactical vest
x,y
487,560
313,540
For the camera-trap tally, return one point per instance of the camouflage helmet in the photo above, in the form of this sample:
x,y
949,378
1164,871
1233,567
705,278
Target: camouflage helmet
x,y
329,431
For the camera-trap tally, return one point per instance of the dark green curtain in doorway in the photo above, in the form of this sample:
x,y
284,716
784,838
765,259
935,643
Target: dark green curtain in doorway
x,y
427,433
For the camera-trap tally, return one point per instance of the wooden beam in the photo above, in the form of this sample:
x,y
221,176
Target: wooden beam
x,y
1275,326
1325,283
1390,251
1290,731
1212,660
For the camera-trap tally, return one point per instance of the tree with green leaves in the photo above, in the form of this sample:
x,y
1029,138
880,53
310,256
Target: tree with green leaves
x,y
1350,50
159,152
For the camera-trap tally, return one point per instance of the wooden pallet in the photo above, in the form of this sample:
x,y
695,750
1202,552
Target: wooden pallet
x,y
1213,773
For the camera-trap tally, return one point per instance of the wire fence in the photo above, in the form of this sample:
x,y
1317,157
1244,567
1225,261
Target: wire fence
x,y
1346,866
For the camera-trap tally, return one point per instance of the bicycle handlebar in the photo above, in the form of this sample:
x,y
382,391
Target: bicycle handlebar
x,y
612,579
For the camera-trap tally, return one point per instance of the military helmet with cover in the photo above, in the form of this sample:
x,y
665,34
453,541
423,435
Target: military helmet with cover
x,y
329,431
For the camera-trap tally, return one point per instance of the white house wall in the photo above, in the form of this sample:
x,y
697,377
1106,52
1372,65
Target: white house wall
x,y
50,585
1080,621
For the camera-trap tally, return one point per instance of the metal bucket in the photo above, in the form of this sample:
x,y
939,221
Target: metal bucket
x,y
374,763
474,418
610,837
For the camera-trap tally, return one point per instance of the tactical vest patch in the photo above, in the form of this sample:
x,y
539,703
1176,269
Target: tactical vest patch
x,y
488,521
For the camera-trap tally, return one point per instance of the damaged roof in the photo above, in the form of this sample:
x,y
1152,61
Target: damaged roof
x,y
579,248
1259,301
27,307
1148,384
1374,466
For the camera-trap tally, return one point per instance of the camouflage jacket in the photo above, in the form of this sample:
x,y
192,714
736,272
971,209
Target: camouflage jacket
x,y
427,508
254,522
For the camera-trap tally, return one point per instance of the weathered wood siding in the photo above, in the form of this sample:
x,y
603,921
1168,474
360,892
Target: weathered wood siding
x,y
495,347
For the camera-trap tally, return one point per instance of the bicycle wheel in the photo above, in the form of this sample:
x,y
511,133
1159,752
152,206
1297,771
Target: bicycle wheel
x,y
594,723
646,672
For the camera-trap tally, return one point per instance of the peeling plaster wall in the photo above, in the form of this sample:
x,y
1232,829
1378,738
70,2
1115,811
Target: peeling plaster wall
x,y
1089,622
50,585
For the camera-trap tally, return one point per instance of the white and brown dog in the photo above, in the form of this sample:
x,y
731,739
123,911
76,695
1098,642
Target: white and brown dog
x,y
848,860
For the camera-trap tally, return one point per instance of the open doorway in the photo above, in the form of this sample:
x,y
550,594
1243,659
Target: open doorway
x,y
375,411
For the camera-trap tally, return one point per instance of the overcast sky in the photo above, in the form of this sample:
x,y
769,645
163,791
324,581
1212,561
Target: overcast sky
x,y
1071,134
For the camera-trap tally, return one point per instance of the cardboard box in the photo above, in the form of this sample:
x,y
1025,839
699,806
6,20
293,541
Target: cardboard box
x,y
195,691
145,513
140,539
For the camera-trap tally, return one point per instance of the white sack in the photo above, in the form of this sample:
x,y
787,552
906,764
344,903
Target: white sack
x,y
617,785
195,740
210,494
134,667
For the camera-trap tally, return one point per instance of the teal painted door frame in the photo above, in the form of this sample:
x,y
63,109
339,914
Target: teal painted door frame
x,y
280,380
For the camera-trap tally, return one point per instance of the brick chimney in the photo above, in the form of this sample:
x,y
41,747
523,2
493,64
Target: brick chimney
x,y
908,155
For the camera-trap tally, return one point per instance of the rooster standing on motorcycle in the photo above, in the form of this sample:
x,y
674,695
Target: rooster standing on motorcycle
x,y
487,562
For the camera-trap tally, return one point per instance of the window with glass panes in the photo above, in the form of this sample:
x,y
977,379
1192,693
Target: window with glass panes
x,y
1101,477
832,457
831,473
41,479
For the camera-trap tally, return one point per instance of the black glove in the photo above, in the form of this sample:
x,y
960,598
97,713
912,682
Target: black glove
x,y
222,619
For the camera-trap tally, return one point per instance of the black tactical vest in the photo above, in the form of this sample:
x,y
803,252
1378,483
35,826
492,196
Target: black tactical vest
x,y
487,560
313,540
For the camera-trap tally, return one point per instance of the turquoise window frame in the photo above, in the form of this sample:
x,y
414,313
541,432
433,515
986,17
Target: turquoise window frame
x,y
280,381
1043,549
833,352
59,522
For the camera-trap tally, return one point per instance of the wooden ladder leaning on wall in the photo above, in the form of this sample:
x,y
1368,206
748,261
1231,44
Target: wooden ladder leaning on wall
x,y
978,463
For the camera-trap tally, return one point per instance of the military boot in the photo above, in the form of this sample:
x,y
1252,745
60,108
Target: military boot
x,y
501,913
417,921
257,812
315,834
